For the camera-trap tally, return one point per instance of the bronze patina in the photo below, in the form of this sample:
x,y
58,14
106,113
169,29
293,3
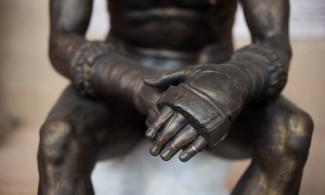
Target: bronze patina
x,y
172,64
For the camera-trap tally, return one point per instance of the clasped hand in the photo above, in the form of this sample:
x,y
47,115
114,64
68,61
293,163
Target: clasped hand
x,y
195,110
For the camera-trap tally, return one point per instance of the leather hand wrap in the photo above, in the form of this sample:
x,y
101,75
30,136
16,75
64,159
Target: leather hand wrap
x,y
210,98
101,70
82,63
273,64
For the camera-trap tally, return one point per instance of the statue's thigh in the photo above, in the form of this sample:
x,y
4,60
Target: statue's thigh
x,y
278,124
111,128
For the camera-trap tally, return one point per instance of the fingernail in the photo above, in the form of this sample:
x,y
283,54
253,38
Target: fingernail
x,y
165,155
150,132
154,150
184,156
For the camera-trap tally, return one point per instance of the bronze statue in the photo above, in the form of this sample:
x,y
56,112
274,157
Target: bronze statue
x,y
172,62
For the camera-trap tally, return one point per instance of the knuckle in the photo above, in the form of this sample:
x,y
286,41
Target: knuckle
x,y
173,147
160,140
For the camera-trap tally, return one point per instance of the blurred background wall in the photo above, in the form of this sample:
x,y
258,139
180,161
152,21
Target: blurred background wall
x,y
29,85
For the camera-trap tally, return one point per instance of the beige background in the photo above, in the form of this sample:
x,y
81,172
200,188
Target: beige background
x,y
29,87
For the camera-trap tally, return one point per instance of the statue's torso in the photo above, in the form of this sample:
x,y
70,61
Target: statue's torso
x,y
176,25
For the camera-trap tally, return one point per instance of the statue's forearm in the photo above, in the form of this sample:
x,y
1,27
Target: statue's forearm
x,y
98,69
113,74
267,59
94,67
265,68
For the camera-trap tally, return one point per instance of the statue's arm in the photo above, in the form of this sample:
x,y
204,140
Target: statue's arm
x,y
211,96
69,20
267,59
95,68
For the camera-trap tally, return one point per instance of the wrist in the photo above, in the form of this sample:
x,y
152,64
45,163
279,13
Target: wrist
x,y
139,93
236,78
248,80
145,96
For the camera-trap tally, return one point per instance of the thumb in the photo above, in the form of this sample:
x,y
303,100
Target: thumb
x,y
165,79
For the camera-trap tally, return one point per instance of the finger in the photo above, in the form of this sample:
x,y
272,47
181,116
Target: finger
x,y
165,114
184,137
197,146
152,115
165,79
172,127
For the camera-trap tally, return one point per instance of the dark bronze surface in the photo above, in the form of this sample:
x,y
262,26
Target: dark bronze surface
x,y
173,63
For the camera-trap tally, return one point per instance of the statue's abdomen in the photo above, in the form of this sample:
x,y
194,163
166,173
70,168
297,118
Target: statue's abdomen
x,y
156,24
175,25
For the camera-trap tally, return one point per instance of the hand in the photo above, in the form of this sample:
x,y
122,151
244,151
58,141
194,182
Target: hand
x,y
197,112
146,97
175,134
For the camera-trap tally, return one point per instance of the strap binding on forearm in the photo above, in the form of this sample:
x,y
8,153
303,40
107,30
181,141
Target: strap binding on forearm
x,y
82,62
270,62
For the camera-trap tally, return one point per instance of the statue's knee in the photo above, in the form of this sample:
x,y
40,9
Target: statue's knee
x,y
54,139
299,133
